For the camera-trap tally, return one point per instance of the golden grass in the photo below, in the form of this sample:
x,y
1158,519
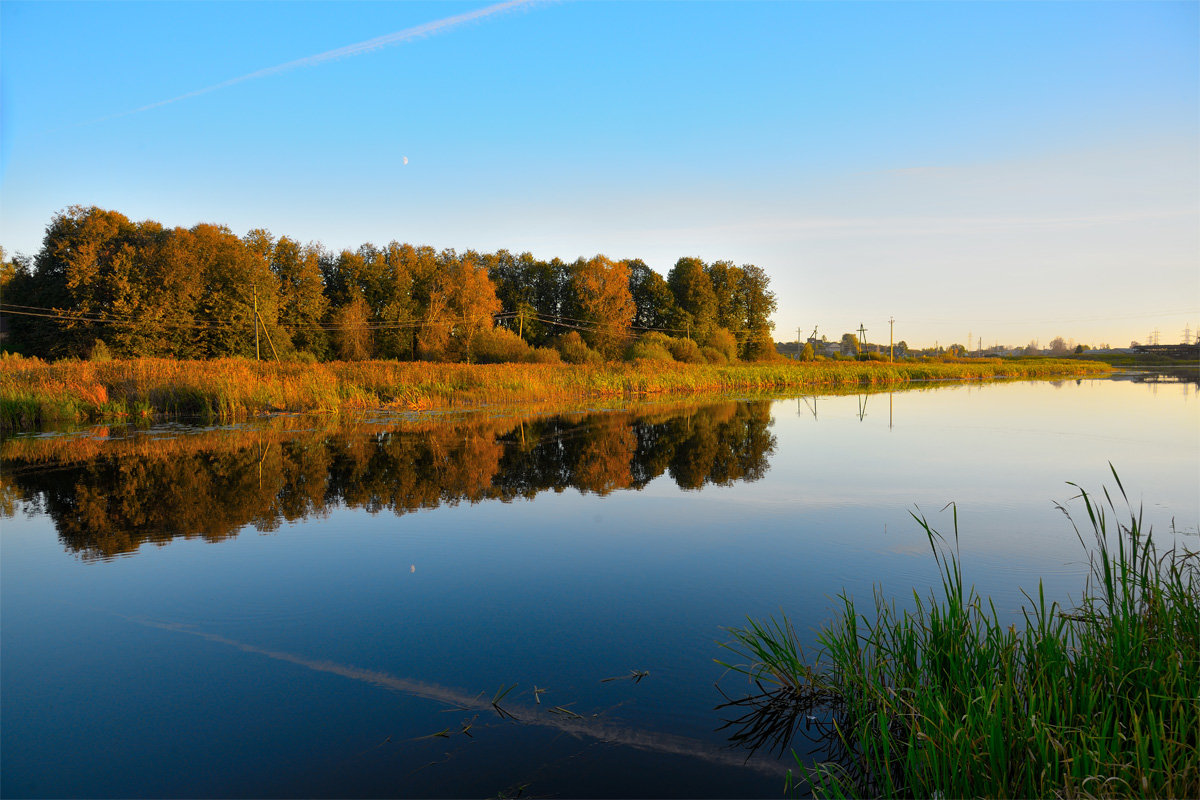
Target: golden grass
x,y
35,393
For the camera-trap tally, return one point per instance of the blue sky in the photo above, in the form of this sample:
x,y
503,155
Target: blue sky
x,y
1015,171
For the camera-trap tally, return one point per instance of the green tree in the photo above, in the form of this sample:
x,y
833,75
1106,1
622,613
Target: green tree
x,y
850,346
726,280
654,304
694,295
303,304
756,303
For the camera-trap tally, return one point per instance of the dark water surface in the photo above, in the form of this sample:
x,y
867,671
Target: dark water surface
x,y
290,609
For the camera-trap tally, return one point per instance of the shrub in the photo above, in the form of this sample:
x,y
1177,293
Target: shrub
x,y
808,354
500,345
686,350
656,338
544,355
100,352
574,350
761,347
652,346
648,351
712,355
723,340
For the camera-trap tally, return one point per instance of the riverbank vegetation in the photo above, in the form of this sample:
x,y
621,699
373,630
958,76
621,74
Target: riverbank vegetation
x,y
36,393
945,700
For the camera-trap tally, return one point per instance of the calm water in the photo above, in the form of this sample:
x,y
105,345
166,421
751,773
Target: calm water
x,y
286,609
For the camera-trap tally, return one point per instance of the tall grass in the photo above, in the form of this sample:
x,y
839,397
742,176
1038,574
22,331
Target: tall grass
x,y
34,393
1102,700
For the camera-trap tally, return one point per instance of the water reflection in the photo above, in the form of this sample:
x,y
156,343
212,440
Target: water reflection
x,y
107,495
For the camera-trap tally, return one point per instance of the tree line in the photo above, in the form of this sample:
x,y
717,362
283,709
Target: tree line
x,y
102,284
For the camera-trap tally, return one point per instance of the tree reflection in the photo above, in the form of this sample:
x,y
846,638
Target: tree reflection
x,y
109,496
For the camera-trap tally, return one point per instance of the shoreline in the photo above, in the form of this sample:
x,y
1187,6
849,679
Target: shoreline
x,y
35,394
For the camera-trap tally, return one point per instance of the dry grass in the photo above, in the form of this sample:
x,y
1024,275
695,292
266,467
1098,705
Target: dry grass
x,y
34,393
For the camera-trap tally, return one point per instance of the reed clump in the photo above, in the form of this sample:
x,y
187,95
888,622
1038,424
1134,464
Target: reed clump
x,y
1102,700
35,393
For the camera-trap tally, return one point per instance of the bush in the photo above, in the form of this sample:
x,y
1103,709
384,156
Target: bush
x,y
100,352
652,346
574,350
712,355
872,357
545,355
500,345
723,340
302,357
760,346
686,350
808,354
648,351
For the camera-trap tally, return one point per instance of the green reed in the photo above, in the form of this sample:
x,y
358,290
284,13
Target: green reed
x,y
1101,700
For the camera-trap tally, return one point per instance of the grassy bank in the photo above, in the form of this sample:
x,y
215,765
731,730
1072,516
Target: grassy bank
x,y
34,393
1102,700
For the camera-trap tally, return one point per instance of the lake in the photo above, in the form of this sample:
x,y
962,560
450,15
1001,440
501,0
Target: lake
x,y
489,604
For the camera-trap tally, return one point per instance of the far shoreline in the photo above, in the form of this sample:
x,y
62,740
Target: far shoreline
x,y
35,394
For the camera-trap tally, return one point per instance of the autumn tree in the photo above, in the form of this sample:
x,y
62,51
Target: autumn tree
x,y
602,301
352,330
459,301
473,302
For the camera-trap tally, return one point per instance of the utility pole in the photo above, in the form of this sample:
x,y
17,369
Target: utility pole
x,y
797,343
862,336
258,321
1187,334
891,340
257,355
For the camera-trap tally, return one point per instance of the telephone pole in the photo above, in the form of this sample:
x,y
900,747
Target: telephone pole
x,y
891,343
862,336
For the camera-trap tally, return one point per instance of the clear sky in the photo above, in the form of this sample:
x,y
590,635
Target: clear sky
x,y
1015,171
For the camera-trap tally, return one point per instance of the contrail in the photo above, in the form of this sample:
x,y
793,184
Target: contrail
x,y
349,51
